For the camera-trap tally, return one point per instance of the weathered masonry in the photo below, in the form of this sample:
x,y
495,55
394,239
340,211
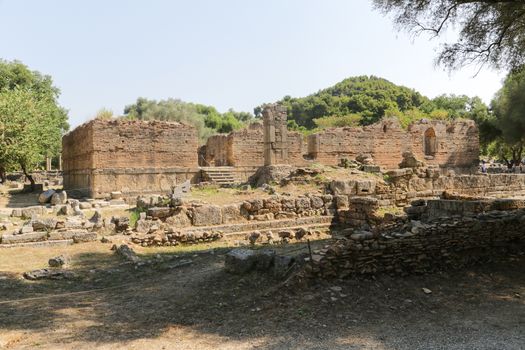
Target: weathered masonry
x,y
102,156
446,144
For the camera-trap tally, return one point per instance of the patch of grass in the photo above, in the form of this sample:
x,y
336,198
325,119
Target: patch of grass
x,y
390,210
205,190
134,216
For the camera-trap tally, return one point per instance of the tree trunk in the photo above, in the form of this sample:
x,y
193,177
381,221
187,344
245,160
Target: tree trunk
x,y
29,177
3,175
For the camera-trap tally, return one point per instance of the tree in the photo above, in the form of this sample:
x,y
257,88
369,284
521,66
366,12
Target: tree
x,y
490,31
370,97
31,121
509,109
206,119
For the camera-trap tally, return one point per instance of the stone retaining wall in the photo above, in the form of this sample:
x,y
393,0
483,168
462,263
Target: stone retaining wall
x,y
416,247
405,185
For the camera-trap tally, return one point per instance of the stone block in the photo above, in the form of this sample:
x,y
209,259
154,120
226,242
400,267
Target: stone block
x,y
24,238
179,218
31,212
232,214
365,187
343,187
207,215
240,261
160,212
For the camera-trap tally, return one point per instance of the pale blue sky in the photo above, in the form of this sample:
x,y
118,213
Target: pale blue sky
x,y
225,53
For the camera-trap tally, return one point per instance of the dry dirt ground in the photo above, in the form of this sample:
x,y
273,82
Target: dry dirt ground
x,y
111,305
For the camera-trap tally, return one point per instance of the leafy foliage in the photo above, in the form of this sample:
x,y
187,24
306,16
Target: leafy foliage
x,y
206,119
364,100
31,121
490,32
508,122
367,96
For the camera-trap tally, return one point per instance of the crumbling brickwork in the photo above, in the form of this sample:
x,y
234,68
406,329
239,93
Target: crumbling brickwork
x,y
102,156
241,148
245,148
448,144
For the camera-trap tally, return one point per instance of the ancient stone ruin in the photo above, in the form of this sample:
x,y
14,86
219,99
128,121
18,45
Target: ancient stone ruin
x,y
134,157
151,157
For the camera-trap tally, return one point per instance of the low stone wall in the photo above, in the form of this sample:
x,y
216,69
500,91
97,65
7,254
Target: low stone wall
x,y
404,185
416,247
170,221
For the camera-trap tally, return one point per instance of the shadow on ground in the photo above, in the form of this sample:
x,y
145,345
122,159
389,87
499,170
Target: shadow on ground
x,y
481,307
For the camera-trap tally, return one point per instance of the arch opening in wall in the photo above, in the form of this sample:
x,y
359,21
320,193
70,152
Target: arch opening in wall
x,y
430,142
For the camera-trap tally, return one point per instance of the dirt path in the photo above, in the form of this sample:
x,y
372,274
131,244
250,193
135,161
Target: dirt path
x,y
202,307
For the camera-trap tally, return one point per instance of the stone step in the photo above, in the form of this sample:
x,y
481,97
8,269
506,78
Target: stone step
x,y
221,175
54,243
236,228
243,234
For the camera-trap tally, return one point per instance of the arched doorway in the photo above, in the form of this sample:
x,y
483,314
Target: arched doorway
x,y
430,142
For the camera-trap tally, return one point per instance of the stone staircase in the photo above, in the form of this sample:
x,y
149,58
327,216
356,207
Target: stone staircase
x,y
222,175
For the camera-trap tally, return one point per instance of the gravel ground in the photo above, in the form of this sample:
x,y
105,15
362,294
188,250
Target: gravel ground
x,y
202,307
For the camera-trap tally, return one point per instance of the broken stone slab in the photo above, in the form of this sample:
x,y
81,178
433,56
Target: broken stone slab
x,y
368,168
44,224
27,228
126,252
121,223
159,212
54,274
85,237
80,235
45,197
24,238
241,261
29,212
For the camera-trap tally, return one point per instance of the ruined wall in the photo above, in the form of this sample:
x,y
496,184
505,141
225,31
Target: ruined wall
x,y
247,146
77,158
404,186
453,144
217,151
241,148
102,156
417,247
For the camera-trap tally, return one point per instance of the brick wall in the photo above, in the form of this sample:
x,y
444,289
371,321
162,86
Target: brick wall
x,y
102,156
455,144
